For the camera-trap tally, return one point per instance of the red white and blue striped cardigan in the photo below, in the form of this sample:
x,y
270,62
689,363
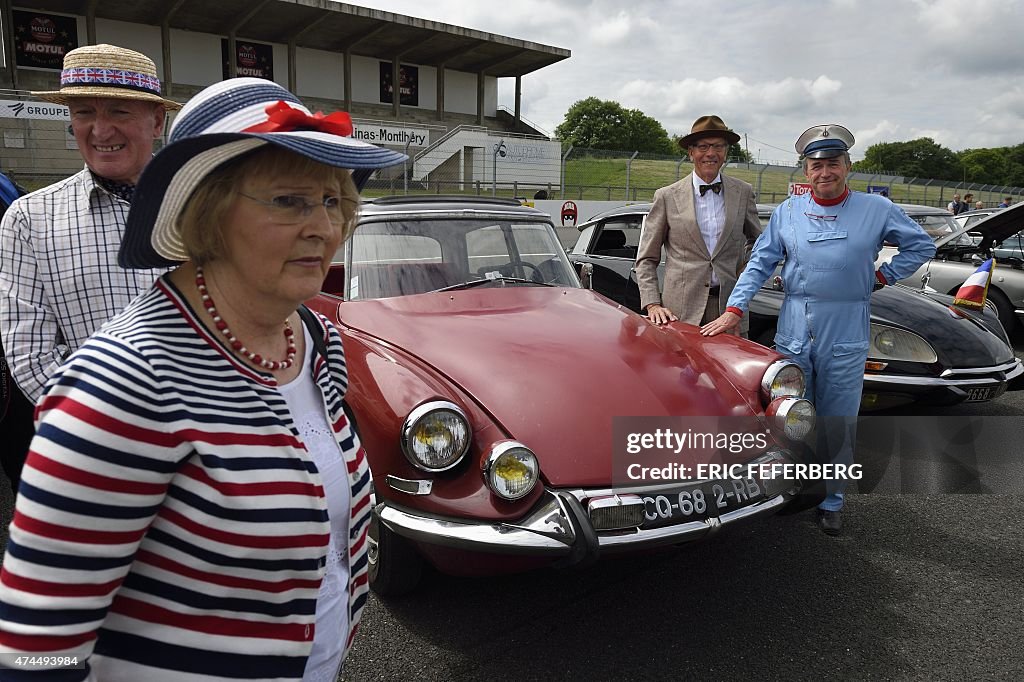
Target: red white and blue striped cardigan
x,y
169,521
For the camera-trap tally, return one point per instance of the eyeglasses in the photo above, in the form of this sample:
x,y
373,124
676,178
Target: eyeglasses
x,y
818,216
292,209
718,146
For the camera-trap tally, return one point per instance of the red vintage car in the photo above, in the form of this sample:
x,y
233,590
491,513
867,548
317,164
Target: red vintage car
x,y
491,393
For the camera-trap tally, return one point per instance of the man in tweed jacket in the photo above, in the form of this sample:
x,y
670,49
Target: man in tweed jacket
x,y
707,224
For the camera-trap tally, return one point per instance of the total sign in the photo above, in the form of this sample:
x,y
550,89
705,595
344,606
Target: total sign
x,y
798,188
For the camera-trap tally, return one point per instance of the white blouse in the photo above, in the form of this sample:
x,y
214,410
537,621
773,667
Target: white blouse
x,y
310,415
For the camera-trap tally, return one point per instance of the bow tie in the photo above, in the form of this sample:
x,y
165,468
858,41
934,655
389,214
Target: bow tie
x,y
715,187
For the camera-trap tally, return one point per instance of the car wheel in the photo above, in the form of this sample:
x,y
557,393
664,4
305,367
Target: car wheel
x,y
394,565
1006,316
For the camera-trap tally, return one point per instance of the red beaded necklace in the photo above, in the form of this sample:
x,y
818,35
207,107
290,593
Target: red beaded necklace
x,y
255,358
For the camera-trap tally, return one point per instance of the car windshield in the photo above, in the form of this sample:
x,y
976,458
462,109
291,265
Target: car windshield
x,y
937,225
406,256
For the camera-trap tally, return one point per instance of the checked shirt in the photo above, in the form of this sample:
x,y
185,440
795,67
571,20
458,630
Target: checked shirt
x,y
59,277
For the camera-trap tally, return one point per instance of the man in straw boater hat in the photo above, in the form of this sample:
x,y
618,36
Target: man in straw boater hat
x,y
706,223
59,278
829,239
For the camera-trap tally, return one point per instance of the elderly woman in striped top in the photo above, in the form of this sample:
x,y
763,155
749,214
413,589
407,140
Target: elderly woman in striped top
x,y
195,503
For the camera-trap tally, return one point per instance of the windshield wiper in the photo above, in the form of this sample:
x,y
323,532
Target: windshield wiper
x,y
501,278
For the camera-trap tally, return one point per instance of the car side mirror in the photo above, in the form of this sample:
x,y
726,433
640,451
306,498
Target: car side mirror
x,y
587,275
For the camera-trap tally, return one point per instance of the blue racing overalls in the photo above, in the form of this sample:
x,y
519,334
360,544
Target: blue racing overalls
x,y
828,277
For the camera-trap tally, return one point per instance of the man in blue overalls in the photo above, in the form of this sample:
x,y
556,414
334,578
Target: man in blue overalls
x,y
829,240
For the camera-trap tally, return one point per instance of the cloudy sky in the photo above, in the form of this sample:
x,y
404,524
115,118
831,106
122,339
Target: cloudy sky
x,y
890,70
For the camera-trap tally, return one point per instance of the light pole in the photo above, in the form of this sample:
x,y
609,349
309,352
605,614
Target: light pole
x,y
499,149
405,167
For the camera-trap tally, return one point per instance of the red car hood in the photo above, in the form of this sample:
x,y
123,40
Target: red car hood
x,y
554,365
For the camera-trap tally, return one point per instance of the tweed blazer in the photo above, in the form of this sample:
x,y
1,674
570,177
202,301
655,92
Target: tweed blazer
x,y
672,225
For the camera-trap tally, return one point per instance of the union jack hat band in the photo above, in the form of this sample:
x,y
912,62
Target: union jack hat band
x,y
107,71
114,78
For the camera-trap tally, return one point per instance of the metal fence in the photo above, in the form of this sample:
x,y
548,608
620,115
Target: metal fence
x,y
597,174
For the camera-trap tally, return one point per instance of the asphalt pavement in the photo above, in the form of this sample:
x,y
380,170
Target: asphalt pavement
x,y
919,587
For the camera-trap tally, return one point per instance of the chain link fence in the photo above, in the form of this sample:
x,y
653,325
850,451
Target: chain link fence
x,y
596,174
605,175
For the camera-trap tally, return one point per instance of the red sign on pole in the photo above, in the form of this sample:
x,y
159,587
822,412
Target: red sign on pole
x,y
798,188
570,213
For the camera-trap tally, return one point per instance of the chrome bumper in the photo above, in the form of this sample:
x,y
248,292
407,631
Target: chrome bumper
x,y
557,527
952,377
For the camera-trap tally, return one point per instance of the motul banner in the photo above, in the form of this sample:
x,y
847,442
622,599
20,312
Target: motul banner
x,y
251,59
408,84
41,40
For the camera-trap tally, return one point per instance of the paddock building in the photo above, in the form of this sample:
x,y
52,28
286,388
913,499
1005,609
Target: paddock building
x,y
332,55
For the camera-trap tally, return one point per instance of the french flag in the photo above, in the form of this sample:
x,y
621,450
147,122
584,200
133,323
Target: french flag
x,y
972,293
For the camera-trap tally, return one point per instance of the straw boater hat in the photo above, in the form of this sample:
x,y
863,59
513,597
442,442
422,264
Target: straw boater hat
x,y
709,126
107,71
224,121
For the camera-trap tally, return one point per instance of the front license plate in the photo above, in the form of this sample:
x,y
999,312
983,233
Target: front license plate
x,y
699,501
977,395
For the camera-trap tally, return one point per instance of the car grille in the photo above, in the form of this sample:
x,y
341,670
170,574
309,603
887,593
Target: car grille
x,y
616,511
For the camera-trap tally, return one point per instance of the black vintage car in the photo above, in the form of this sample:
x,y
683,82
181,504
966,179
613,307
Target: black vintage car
x,y
922,349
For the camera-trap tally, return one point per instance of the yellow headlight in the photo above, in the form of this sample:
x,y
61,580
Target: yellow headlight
x,y
511,470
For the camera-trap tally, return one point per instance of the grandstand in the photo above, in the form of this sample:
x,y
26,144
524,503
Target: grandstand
x,y
332,55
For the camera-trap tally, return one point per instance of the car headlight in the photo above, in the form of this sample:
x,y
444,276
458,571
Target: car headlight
x,y
891,344
511,470
783,378
435,436
791,417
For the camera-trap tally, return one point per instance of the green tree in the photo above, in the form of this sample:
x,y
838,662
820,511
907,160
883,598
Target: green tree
x,y
603,124
1014,166
921,158
986,166
738,153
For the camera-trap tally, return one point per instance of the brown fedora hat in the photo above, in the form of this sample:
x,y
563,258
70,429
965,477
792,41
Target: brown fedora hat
x,y
709,126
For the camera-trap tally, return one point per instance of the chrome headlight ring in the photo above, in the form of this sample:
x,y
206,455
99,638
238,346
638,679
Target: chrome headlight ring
x,y
435,436
792,418
782,378
511,470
